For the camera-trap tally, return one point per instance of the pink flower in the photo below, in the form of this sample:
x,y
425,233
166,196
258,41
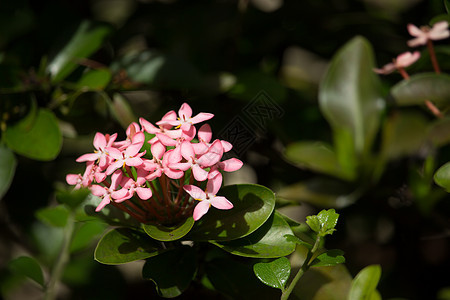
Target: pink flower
x,y
207,198
130,156
402,61
131,131
137,186
439,31
101,142
185,119
187,151
204,137
107,194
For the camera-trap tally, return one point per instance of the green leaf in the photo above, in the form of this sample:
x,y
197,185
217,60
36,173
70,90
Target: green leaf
x,y
236,278
8,165
29,267
294,239
321,192
85,41
86,234
95,79
316,156
122,245
72,198
166,234
121,110
171,271
350,94
324,222
447,6
253,205
56,216
421,87
42,141
329,258
403,134
439,132
268,241
365,283
442,177
275,273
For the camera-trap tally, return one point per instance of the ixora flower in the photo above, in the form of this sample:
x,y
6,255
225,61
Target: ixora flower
x,y
162,185
424,34
208,197
402,61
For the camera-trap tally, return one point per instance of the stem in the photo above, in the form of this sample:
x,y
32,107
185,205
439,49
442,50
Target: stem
x,y
306,264
433,57
63,259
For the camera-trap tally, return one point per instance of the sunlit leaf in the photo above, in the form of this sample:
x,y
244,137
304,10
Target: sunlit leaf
x,y
275,273
268,241
350,95
324,222
29,267
42,141
54,216
122,245
171,271
421,87
442,177
165,234
86,40
329,258
365,283
8,165
294,239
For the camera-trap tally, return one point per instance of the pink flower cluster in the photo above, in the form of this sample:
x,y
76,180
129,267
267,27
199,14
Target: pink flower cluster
x,y
153,187
422,36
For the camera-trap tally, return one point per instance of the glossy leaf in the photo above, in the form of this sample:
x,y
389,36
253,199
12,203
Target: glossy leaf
x,y
365,283
268,241
253,205
172,271
350,96
275,273
329,258
29,267
166,234
85,41
42,141
316,156
122,245
54,216
8,165
421,87
96,79
294,239
442,177
324,222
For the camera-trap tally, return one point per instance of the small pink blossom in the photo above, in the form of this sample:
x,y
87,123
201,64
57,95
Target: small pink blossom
x,y
101,142
207,198
185,119
130,156
108,193
423,34
402,61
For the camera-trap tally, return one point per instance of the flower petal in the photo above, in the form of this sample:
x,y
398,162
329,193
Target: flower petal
x,y
99,141
199,173
185,111
230,165
220,202
144,193
205,133
201,117
195,192
201,209
213,185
